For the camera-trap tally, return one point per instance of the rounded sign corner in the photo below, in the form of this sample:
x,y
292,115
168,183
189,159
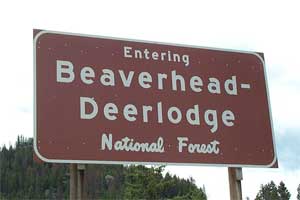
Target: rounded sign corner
x,y
39,155
260,58
273,163
38,35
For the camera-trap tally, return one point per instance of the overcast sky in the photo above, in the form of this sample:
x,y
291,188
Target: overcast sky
x,y
271,27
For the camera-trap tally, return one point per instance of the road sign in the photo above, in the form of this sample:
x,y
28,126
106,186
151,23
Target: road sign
x,y
111,100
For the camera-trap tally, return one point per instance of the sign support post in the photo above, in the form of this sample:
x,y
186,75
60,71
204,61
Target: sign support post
x,y
73,181
235,176
81,177
77,176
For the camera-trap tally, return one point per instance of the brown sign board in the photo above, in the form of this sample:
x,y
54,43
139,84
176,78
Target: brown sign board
x,y
120,101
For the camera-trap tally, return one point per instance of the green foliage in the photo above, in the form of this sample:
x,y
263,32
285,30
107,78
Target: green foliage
x,y
271,192
22,178
148,183
283,192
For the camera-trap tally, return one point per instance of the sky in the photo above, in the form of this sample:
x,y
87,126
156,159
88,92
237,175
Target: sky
x,y
271,27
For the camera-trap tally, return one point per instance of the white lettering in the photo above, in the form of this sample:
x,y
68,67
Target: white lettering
x,y
196,83
144,79
108,77
176,78
159,112
91,101
182,143
213,121
110,109
129,144
214,86
160,78
210,148
126,81
146,109
178,113
128,111
195,113
230,86
86,75
127,51
106,141
228,117
64,67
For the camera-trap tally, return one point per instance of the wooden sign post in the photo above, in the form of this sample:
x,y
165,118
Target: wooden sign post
x,y
77,176
81,177
235,176
73,181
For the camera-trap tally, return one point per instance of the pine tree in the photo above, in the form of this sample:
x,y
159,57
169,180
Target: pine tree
x,y
271,192
283,192
268,192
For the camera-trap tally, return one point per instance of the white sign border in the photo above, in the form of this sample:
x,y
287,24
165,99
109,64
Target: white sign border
x,y
42,32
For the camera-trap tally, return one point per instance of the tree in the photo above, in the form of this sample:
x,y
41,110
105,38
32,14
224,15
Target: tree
x,y
283,192
268,192
271,192
298,191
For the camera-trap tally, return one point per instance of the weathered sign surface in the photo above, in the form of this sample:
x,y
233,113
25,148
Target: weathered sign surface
x,y
109,100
